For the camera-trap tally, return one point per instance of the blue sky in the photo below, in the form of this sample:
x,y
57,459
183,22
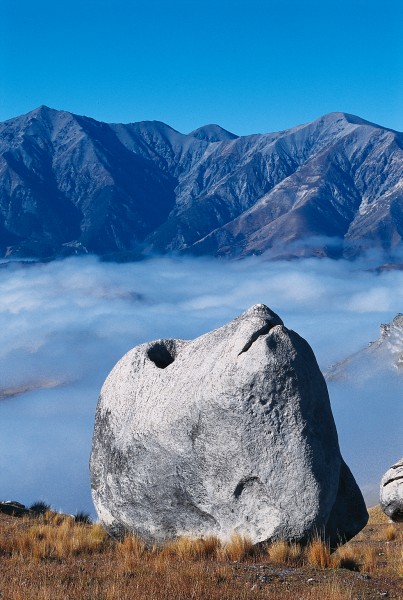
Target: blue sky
x,y
249,65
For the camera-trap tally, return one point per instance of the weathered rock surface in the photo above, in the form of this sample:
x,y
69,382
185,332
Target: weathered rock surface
x,y
72,185
232,431
391,492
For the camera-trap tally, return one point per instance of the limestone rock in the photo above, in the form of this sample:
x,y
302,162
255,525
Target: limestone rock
x,y
391,492
232,431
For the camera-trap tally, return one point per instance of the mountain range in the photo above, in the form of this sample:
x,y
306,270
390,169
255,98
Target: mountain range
x,y
70,184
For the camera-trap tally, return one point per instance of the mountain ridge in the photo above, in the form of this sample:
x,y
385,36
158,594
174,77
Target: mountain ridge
x,y
385,353
71,184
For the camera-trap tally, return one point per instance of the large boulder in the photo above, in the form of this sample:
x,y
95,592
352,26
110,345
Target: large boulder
x,y
230,432
391,492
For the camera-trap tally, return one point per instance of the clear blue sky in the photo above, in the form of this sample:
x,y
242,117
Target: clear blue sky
x,y
249,65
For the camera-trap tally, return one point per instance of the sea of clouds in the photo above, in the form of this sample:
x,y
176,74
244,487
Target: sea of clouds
x,y
64,324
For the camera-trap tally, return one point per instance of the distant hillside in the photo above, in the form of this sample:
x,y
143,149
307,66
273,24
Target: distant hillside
x,y
385,353
70,184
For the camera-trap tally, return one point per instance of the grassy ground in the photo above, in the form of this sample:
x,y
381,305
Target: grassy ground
x,y
52,557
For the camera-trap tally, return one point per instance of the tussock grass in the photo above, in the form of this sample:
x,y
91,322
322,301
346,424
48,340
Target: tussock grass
x,y
281,552
394,558
56,539
131,546
330,590
390,533
129,552
39,508
52,556
238,548
278,552
369,558
317,553
345,558
183,548
211,546
51,517
376,515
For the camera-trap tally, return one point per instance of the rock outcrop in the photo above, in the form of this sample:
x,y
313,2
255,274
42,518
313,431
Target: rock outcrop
x,y
232,431
14,508
385,353
391,492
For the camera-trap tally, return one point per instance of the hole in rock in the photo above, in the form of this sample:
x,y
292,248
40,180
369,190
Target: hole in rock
x,y
160,355
244,483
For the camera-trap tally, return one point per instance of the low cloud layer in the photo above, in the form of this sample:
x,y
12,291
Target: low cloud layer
x,y
63,325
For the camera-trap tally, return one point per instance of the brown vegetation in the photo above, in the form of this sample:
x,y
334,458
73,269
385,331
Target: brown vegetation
x,y
318,553
53,556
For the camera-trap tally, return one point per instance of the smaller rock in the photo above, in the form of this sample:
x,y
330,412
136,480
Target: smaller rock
x,y
391,492
13,508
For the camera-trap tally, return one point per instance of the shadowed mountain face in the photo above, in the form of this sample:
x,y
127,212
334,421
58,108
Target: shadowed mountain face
x,y
70,184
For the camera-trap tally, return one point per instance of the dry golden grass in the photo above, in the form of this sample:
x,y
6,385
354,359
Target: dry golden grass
x,y
317,553
53,557
345,558
129,552
390,533
56,540
376,515
53,518
281,552
394,558
211,546
369,558
330,590
183,548
237,548
278,551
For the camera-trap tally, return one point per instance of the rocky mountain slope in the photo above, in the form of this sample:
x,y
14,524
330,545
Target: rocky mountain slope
x,y
385,352
70,184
